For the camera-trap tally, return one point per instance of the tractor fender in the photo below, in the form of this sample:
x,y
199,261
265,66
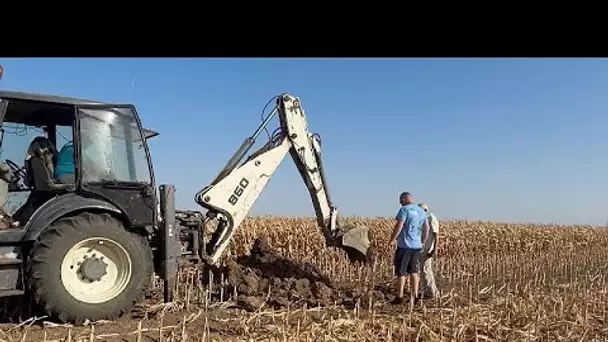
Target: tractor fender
x,y
58,207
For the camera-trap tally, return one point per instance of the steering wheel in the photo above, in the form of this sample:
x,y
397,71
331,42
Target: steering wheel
x,y
17,170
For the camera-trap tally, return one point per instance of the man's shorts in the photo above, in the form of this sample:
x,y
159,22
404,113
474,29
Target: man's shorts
x,y
406,261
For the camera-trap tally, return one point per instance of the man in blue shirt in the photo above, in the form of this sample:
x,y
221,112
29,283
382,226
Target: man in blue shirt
x,y
410,221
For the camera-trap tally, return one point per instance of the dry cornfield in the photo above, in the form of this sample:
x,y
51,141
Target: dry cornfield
x,y
499,282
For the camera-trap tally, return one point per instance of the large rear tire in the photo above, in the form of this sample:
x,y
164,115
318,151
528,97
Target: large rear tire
x,y
89,267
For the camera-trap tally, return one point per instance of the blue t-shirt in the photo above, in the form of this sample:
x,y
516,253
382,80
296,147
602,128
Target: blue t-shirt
x,y
65,160
413,218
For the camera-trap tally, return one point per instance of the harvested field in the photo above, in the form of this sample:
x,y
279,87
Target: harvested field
x,y
499,282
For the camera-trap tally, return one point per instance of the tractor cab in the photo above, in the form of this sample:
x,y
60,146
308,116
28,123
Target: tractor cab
x,y
84,239
55,146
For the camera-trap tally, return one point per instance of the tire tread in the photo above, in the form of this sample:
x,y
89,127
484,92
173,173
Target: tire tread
x,y
38,268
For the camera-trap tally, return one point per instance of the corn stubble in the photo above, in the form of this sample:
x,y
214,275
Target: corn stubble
x,y
498,282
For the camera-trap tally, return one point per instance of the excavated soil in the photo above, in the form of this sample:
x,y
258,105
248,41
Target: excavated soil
x,y
263,278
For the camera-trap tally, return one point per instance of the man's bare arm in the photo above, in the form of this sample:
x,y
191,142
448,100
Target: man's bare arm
x,y
427,230
436,249
396,230
436,224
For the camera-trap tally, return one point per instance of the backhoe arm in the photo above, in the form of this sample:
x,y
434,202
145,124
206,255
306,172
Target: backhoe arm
x,y
306,153
233,192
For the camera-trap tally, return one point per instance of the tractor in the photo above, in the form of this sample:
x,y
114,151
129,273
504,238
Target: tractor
x,y
93,229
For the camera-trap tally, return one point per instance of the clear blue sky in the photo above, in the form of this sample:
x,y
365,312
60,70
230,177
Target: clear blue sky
x,y
502,139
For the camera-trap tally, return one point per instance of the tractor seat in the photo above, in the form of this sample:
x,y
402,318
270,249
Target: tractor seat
x,y
40,162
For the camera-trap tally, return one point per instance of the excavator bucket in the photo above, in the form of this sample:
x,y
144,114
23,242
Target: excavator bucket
x,y
355,242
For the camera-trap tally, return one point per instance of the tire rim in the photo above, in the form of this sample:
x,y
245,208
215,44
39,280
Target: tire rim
x,y
96,270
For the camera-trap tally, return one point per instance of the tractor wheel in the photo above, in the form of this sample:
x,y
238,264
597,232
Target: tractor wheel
x,y
89,267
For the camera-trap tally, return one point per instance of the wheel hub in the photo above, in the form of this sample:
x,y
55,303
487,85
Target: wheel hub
x,y
93,269
96,270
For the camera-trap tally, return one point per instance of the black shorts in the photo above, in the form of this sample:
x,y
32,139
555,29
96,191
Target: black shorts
x,y
406,261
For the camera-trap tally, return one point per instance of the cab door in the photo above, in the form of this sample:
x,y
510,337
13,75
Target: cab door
x,y
113,161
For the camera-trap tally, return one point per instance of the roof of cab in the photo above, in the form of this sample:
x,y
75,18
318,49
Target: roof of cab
x,y
54,99
16,95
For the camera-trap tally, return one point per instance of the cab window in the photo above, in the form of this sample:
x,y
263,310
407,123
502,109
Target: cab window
x,y
112,147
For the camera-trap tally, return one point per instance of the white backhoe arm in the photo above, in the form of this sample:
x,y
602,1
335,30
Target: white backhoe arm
x,y
306,154
231,195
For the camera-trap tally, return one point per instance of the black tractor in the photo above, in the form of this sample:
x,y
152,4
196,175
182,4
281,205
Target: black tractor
x,y
92,229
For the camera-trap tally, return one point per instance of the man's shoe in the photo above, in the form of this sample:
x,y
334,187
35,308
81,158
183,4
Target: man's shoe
x,y
398,301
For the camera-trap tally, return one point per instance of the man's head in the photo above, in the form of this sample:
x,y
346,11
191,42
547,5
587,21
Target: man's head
x,y
424,207
406,198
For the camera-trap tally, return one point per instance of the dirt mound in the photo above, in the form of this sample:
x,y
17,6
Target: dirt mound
x,y
265,278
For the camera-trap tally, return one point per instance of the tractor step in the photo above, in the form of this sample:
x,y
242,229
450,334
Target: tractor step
x,y
11,293
11,236
11,277
10,261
